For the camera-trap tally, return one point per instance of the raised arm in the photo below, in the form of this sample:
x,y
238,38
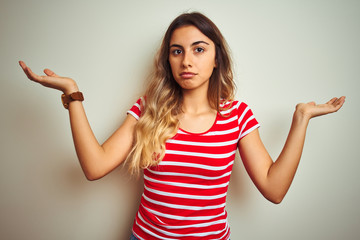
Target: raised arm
x,y
96,160
273,179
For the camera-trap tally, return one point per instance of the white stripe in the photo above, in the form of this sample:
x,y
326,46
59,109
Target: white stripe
x,y
230,109
227,120
214,133
140,238
249,130
179,184
149,232
245,123
226,232
195,165
204,144
182,218
243,114
180,235
225,103
187,196
177,206
197,225
205,155
138,106
193,225
133,114
182,132
189,175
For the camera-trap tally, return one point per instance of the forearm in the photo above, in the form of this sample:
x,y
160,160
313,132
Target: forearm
x,y
90,153
282,171
273,179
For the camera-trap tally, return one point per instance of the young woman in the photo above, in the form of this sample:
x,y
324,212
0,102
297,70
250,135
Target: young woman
x,y
183,134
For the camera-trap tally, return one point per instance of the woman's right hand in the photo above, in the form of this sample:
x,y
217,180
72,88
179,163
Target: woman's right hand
x,y
51,80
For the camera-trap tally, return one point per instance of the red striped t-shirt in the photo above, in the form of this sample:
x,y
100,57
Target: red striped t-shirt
x,y
185,195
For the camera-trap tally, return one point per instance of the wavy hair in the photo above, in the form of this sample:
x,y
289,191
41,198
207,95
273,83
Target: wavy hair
x,y
163,97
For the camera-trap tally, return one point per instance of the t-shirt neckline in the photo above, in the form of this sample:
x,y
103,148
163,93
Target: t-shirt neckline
x,y
201,133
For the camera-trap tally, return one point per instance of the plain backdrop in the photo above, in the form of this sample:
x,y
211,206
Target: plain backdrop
x,y
284,52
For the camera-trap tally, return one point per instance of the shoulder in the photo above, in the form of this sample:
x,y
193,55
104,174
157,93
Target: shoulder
x,y
233,107
137,108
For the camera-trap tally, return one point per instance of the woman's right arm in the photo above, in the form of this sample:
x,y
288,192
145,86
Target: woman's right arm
x,y
96,160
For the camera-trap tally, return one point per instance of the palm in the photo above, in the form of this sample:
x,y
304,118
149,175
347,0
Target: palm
x,y
50,80
312,109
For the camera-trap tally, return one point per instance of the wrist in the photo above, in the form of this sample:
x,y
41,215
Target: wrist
x,y
71,88
67,99
301,116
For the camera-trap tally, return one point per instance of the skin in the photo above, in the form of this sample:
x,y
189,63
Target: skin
x,y
96,160
193,52
190,52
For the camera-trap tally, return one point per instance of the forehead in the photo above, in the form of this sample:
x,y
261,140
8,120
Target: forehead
x,y
186,35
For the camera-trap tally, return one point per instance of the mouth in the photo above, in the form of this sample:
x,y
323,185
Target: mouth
x,y
187,74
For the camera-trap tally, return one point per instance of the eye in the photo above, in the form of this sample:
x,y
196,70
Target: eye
x,y
176,51
199,49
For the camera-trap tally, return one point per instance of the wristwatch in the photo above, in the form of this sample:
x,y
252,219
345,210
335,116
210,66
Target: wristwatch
x,y
66,99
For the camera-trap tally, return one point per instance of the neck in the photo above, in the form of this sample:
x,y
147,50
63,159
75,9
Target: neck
x,y
195,102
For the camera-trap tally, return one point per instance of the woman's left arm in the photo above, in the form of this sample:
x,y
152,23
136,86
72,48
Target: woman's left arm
x,y
273,179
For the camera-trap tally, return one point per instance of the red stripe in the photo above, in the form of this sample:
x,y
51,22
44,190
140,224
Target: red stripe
x,y
186,187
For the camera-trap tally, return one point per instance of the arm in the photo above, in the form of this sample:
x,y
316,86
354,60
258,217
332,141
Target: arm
x,y
96,160
273,179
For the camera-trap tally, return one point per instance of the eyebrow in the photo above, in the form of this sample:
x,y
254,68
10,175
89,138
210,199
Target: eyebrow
x,y
193,44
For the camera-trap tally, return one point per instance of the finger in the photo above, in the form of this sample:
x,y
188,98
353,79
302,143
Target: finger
x,y
332,100
26,70
340,102
22,65
32,76
337,104
50,73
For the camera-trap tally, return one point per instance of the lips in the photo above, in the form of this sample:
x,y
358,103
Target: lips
x,y
187,74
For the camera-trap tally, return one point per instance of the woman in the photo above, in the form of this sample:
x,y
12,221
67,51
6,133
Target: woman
x,y
184,134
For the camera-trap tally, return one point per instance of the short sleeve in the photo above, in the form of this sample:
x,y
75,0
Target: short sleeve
x,y
135,110
246,120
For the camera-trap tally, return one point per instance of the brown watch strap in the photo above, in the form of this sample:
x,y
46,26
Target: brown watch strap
x,y
66,99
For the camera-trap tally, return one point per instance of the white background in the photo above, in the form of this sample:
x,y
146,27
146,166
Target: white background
x,y
284,52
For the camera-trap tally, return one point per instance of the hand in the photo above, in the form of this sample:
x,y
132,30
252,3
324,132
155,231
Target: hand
x,y
51,80
311,109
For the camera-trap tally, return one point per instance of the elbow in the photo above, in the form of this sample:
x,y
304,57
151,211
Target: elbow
x,y
92,175
91,178
275,198
92,172
274,194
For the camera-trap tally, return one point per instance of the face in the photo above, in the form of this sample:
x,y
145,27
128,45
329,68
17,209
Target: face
x,y
192,58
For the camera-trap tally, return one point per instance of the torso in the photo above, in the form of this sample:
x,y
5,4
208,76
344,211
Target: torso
x,y
197,123
185,195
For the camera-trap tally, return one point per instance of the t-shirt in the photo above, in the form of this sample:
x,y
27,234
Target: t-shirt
x,y
185,195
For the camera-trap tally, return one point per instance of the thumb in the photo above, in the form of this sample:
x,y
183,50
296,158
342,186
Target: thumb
x,y
50,73
312,103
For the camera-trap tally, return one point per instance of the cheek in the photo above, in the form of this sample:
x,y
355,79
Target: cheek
x,y
210,65
172,64
173,68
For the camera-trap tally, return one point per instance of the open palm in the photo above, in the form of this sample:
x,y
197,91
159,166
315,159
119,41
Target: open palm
x,y
312,109
51,80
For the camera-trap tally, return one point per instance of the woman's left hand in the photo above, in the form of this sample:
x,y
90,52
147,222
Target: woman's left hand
x,y
311,109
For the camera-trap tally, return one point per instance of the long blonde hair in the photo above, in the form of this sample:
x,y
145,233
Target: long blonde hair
x,y
163,97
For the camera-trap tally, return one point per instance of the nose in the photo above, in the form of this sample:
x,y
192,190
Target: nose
x,y
187,60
